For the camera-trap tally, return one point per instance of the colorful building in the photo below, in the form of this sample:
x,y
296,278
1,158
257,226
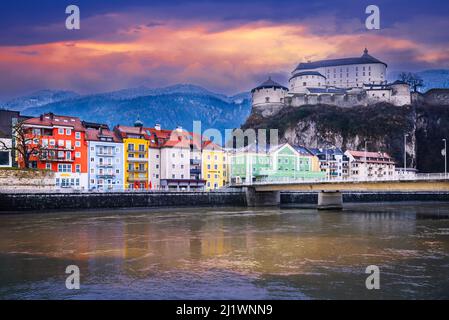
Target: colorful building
x,y
333,162
365,165
105,158
213,165
136,144
280,162
62,148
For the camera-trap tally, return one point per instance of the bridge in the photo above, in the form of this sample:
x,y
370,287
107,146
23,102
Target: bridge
x,y
267,192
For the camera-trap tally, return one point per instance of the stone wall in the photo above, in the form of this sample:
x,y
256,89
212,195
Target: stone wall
x,y
49,201
15,180
311,198
439,97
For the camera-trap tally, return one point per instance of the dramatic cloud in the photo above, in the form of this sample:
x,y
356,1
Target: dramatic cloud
x,y
228,47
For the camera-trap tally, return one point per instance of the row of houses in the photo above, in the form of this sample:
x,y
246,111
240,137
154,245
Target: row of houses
x,y
285,161
92,156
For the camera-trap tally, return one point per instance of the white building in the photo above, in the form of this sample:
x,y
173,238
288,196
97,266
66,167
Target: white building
x,y
105,158
343,82
370,165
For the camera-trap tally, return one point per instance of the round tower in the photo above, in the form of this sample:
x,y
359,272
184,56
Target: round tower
x,y
268,93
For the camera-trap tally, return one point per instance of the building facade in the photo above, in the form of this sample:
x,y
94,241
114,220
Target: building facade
x,y
62,148
105,157
277,163
370,165
345,82
214,165
333,162
136,163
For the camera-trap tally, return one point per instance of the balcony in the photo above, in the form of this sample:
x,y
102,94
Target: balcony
x,y
137,179
56,159
105,165
105,154
106,176
57,148
137,170
136,151
137,159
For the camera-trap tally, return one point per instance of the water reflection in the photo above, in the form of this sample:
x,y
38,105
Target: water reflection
x,y
228,253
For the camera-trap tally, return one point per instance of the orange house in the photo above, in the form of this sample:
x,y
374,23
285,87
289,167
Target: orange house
x,y
63,149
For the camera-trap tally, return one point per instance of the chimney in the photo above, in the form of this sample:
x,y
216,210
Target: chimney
x,y
100,131
157,126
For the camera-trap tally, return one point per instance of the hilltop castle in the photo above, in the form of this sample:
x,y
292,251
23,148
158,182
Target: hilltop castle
x,y
344,82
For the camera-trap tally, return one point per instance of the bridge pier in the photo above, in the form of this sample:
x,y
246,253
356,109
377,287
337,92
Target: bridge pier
x,y
330,200
262,198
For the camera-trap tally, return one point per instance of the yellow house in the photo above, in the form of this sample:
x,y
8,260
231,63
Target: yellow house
x,y
135,145
214,166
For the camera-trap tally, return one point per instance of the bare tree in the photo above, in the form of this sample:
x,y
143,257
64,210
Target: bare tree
x,y
26,144
412,79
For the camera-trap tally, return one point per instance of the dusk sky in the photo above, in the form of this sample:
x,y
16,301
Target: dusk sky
x,y
227,46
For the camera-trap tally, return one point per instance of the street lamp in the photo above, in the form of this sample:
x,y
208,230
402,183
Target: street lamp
x,y
366,163
445,158
405,152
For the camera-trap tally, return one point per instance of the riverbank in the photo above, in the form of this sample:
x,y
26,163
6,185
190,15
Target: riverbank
x,y
22,202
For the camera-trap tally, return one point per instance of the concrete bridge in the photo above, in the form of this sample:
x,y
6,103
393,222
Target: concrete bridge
x,y
267,193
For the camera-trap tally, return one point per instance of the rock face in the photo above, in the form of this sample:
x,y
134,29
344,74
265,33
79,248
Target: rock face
x,y
381,126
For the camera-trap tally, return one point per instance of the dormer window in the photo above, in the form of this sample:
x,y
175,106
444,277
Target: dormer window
x,y
267,99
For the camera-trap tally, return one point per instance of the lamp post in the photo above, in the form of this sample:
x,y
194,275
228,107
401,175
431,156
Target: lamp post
x,y
405,152
366,164
445,158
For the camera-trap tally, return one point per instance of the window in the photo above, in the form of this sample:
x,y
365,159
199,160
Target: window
x,y
60,154
77,135
173,166
77,154
68,132
63,167
78,144
182,176
78,168
68,155
48,166
141,147
60,143
68,144
173,176
60,131
44,142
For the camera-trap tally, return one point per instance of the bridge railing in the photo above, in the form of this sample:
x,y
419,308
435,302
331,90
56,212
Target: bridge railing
x,y
288,180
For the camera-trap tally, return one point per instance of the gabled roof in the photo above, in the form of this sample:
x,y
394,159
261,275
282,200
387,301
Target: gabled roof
x,y
93,134
364,59
52,120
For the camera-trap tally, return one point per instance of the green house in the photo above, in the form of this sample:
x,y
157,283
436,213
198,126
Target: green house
x,y
281,162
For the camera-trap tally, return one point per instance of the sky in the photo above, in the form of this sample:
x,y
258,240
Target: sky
x,y
225,46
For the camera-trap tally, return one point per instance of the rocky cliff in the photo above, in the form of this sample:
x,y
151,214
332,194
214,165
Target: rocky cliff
x,y
381,126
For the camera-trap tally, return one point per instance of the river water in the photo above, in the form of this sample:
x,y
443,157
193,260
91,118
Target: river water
x,y
228,253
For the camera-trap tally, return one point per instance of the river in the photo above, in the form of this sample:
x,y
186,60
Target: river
x,y
228,253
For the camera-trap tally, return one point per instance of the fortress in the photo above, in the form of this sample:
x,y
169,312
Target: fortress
x,y
345,82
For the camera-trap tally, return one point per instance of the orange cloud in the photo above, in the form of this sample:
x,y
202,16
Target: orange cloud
x,y
229,59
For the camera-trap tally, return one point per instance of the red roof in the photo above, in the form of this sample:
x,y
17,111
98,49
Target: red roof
x,y
96,134
51,120
377,157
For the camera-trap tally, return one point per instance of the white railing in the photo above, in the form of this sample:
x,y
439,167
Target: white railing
x,y
287,180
